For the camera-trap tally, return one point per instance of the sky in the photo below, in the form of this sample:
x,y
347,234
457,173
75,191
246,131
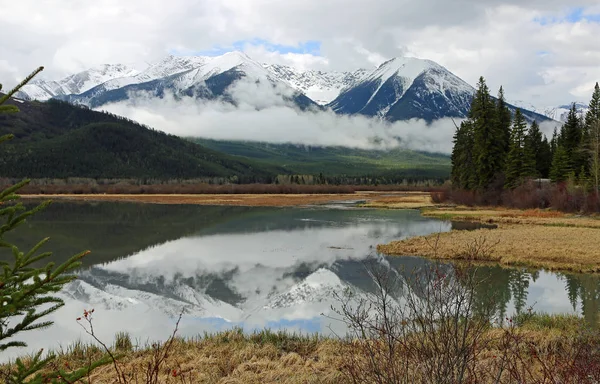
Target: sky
x,y
545,52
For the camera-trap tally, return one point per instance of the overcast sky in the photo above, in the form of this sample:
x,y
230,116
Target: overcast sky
x,y
543,51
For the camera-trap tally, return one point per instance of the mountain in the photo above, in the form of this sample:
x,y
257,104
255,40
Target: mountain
x,y
55,139
321,87
410,88
558,113
198,77
402,88
40,89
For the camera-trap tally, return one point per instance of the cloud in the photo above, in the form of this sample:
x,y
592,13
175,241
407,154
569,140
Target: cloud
x,y
264,113
498,39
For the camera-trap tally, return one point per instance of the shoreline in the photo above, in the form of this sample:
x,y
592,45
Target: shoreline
x,y
371,199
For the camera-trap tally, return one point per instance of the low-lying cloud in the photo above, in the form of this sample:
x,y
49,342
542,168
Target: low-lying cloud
x,y
265,113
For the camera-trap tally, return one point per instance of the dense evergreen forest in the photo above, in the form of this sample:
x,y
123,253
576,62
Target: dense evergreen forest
x,y
55,139
495,150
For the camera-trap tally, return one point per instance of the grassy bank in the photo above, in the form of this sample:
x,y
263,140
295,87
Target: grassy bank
x,y
268,357
535,238
373,199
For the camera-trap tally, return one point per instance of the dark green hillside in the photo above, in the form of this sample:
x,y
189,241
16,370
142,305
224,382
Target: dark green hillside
x,y
333,161
57,140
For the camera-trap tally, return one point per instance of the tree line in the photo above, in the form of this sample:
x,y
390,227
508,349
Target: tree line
x,y
494,149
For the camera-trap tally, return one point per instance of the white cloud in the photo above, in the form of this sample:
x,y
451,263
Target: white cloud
x,y
498,39
262,114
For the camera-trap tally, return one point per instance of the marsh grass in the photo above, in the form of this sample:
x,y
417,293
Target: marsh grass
x,y
554,247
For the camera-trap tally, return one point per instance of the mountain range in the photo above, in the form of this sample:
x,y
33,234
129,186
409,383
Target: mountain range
x,y
558,113
399,89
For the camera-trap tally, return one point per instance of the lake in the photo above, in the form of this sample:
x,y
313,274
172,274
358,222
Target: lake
x,y
253,267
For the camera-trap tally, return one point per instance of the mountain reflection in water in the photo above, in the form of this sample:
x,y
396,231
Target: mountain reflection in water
x,y
252,267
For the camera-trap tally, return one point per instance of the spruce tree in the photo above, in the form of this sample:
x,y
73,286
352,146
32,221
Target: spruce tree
x,y
553,142
571,139
544,160
538,144
521,158
488,146
504,118
560,169
592,139
463,170
27,291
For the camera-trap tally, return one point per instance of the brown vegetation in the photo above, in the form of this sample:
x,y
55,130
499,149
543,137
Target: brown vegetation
x,y
551,247
564,197
374,199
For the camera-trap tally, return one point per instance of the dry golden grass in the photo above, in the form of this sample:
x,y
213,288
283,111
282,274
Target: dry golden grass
x,y
229,357
405,200
514,216
551,247
232,357
374,199
276,200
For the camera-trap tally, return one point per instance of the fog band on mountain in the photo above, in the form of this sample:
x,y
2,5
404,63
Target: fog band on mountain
x,y
260,112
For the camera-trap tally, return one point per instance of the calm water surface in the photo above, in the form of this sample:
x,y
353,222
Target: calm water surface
x,y
251,267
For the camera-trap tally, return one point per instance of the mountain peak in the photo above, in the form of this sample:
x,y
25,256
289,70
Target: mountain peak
x,y
407,67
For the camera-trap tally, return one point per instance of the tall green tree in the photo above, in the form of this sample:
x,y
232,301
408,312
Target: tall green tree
x,y
463,170
521,158
553,142
544,161
504,120
592,138
488,146
571,139
560,169
28,291
538,144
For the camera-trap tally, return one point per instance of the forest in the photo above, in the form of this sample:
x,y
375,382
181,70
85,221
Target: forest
x,y
496,154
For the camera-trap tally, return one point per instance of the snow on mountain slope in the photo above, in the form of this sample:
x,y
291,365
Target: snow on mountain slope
x,y
558,113
318,286
404,88
322,87
78,83
112,296
236,60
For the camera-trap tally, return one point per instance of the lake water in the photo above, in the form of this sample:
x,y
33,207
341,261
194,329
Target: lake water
x,y
240,266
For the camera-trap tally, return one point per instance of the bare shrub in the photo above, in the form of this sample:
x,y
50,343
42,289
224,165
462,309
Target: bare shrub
x,y
426,328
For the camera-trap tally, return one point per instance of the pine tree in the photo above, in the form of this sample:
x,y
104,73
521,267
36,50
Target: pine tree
x,y
463,171
571,139
553,143
488,147
504,118
592,139
560,169
27,291
521,158
544,161
535,143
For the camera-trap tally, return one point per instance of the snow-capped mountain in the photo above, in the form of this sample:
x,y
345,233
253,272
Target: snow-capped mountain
x,y
199,77
405,88
558,113
40,89
400,89
321,87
